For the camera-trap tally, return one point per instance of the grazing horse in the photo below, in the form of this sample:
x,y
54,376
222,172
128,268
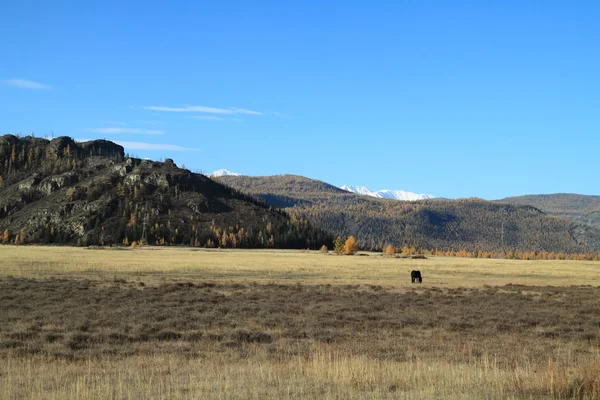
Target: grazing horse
x,y
415,276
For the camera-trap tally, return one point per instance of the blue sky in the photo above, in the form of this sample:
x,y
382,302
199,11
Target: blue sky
x,y
485,98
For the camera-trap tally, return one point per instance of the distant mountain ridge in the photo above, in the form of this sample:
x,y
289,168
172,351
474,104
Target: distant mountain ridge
x,y
401,195
387,194
470,224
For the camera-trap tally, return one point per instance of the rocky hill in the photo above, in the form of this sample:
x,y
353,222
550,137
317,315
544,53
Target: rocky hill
x,y
61,191
470,224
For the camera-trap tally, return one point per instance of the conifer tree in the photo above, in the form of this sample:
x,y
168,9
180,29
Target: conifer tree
x,y
338,246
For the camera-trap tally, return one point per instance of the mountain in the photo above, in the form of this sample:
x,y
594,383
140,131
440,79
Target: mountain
x,y
388,194
285,191
470,224
62,191
577,207
223,172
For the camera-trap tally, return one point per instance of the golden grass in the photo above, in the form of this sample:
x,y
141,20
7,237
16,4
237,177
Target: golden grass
x,y
323,374
111,324
152,264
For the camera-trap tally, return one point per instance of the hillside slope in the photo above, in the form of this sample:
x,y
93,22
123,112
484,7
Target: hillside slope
x,y
285,191
470,224
61,191
581,208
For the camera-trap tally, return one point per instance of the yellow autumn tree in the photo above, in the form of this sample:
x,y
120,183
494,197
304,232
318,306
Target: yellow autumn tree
x,y
19,238
389,250
350,247
5,236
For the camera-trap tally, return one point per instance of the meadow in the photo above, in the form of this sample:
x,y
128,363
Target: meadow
x,y
191,324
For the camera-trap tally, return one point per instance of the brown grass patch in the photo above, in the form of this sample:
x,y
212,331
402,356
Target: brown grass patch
x,y
69,318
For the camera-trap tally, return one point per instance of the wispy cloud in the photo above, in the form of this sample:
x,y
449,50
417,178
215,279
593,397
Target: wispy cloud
x,y
207,118
278,114
245,111
115,123
153,146
144,146
202,109
25,84
132,131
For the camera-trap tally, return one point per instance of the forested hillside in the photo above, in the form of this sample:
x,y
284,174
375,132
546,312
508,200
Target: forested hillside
x,y
471,224
581,208
61,191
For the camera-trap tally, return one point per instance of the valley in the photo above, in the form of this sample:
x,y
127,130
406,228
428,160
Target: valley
x,y
183,323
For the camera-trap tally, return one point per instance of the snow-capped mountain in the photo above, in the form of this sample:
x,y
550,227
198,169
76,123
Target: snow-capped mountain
x,y
387,194
358,190
223,172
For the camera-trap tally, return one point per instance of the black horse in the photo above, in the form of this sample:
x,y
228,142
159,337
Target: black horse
x,y
415,276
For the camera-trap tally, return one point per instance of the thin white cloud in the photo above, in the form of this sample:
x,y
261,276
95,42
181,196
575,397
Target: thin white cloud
x,y
245,111
133,131
152,146
207,118
26,84
202,109
144,146
115,123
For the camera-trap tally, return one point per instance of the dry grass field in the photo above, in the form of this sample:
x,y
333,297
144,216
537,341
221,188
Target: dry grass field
x,y
158,323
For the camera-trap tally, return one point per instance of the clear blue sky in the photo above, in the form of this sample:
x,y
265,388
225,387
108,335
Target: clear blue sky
x,y
456,99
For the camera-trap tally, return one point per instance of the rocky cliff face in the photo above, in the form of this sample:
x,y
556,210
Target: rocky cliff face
x,y
61,191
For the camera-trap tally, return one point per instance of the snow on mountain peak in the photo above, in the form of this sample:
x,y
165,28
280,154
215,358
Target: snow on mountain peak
x,y
223,172
357,190
387,194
